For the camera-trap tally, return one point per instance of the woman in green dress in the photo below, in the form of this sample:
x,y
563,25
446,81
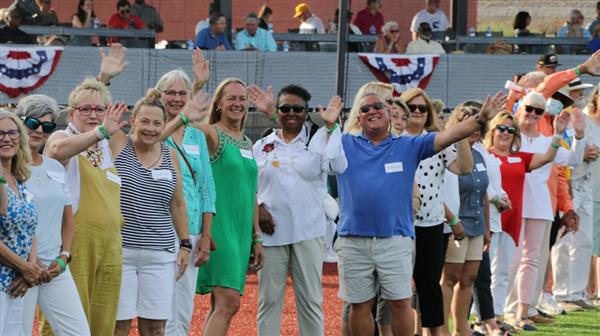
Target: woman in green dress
x,y
235,227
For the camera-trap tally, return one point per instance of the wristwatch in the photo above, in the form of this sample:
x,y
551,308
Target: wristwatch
x,y
66,254
186,243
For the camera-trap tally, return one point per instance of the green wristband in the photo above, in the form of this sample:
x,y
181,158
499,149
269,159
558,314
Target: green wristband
x,y
577,71
257,241
333,128
104,132
555,146
2,180
184,118
63,266
454,221
274,117
496,200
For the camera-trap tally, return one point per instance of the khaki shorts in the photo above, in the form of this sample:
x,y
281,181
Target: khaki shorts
x,y
366,265
468,249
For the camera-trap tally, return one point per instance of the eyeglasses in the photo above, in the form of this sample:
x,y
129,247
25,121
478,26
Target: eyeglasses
x,y
12,134
173,93
366,108
34,123
287,108
414,107
509,129
87,110
124,11
538,111
393,31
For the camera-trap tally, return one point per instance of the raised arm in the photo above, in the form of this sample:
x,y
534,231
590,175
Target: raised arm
x,y
113,63
201,67
333,160
540,159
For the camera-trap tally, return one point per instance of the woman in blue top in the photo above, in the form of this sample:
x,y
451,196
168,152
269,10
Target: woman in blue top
x,y
18,221
198,188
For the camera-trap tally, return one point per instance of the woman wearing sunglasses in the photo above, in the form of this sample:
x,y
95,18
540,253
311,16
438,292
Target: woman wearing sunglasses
x,y
293,165
389,42
19,220
533,235
432,214
57,295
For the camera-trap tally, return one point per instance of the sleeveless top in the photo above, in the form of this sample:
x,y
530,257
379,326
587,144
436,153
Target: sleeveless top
x,y
145,198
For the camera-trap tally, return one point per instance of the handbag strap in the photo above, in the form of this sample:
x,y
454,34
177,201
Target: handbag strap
x,y
187,163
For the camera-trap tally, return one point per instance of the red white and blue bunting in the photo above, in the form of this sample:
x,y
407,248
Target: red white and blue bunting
x,y
22,70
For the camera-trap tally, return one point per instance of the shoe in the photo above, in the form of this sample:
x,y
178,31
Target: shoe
x,y
570,306
526,325
330,256
549,306
585,304
539,318
478,328
505,327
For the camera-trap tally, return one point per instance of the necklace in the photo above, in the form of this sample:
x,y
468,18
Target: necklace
x,y
150,167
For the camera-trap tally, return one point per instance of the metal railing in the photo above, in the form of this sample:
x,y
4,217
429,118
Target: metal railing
x,y
100,32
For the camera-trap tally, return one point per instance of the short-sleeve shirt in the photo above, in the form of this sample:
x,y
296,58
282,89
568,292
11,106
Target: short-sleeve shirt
x,y
313,25
472,188
50,191
116,21
364,20
513,169
262,40
206,40
438,21
147,14
377,187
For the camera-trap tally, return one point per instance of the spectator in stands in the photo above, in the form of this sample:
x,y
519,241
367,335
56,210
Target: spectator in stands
x,y
202,24
214,36
389,41
370,20
311,24
522,21
123,19
85,15
574,27
11,32
253,37
148,14
591,27
264,14
424,44
47,15
333,24
433,15
548,64
594,43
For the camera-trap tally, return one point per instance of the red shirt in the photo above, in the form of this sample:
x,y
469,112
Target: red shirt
x,y
117,22
513,169
364,20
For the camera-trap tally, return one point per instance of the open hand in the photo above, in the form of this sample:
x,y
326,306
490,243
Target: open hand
x,y
578,122
492,105
112,120
262,99
590,66
114,63
200,65
561,121
332,113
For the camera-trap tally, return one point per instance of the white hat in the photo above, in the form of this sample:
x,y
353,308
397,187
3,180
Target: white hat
x,y
576,84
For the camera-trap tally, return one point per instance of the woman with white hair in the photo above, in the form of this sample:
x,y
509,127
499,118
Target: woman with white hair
x,y
57,297
389,41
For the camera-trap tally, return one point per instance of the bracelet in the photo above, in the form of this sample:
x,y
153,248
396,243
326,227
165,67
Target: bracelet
x,y
555,146
332,129
2,180
257,241
103,132
99,80
496,200
99,135
185,243
184,118
63,266
577,71
274,117
454,221
185,248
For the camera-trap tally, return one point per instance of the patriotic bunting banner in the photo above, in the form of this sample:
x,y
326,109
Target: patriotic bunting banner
x,y
22,70
403,71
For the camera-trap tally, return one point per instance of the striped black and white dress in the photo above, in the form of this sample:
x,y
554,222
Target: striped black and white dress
x,y
145,198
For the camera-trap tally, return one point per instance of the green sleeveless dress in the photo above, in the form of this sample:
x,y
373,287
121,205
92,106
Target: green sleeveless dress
x,y
235,173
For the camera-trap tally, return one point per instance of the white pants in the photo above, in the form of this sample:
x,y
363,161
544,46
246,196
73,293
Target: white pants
x,y
60,303
183,297
11,311
502,248
572,253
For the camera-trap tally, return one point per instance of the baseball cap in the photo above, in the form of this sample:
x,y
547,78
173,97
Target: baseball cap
x,y
300,8
549,60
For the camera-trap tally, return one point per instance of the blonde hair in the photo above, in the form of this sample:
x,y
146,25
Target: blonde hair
x,y
89,86
214,112
383,90
19,165
152,99
515,146
464,109
412,93
591,107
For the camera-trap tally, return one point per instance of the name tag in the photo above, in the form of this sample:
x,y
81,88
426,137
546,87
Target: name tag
x,y
480,167
512,159
246,154
56,176
162,174
393,167
570,132
113,177
192,149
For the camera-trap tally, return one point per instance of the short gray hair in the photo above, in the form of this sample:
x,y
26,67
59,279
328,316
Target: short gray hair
x,y
388,26
36,106
171,77
251,16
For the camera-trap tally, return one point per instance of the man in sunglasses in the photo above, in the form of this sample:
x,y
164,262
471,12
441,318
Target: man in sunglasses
x,y
375,231
123,19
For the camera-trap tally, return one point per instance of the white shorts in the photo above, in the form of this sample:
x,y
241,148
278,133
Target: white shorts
x,y
147,284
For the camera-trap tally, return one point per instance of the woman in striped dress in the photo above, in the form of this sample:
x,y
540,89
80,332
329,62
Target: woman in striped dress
x,y
153,206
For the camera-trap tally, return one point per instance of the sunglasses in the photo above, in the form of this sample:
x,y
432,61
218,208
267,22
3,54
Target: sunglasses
x,y
509,129
12,134
287,108
366,108
538,111
414,107
34,123
124,11
393,31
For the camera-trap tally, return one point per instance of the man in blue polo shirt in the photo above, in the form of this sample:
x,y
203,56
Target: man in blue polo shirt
x,y
214,36
375,243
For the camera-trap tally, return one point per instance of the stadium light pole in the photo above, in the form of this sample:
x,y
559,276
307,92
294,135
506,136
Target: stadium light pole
x,y
342,48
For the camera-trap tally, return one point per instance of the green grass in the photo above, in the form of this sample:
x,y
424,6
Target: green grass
x,y
573,324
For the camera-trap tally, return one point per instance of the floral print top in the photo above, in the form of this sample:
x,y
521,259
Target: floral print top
x,y
17,228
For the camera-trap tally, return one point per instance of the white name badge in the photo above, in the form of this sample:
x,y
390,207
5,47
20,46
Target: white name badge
x,y
393,167
113,177
246,154
162,174
192,149
570,132
480,167
56,176
512,159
